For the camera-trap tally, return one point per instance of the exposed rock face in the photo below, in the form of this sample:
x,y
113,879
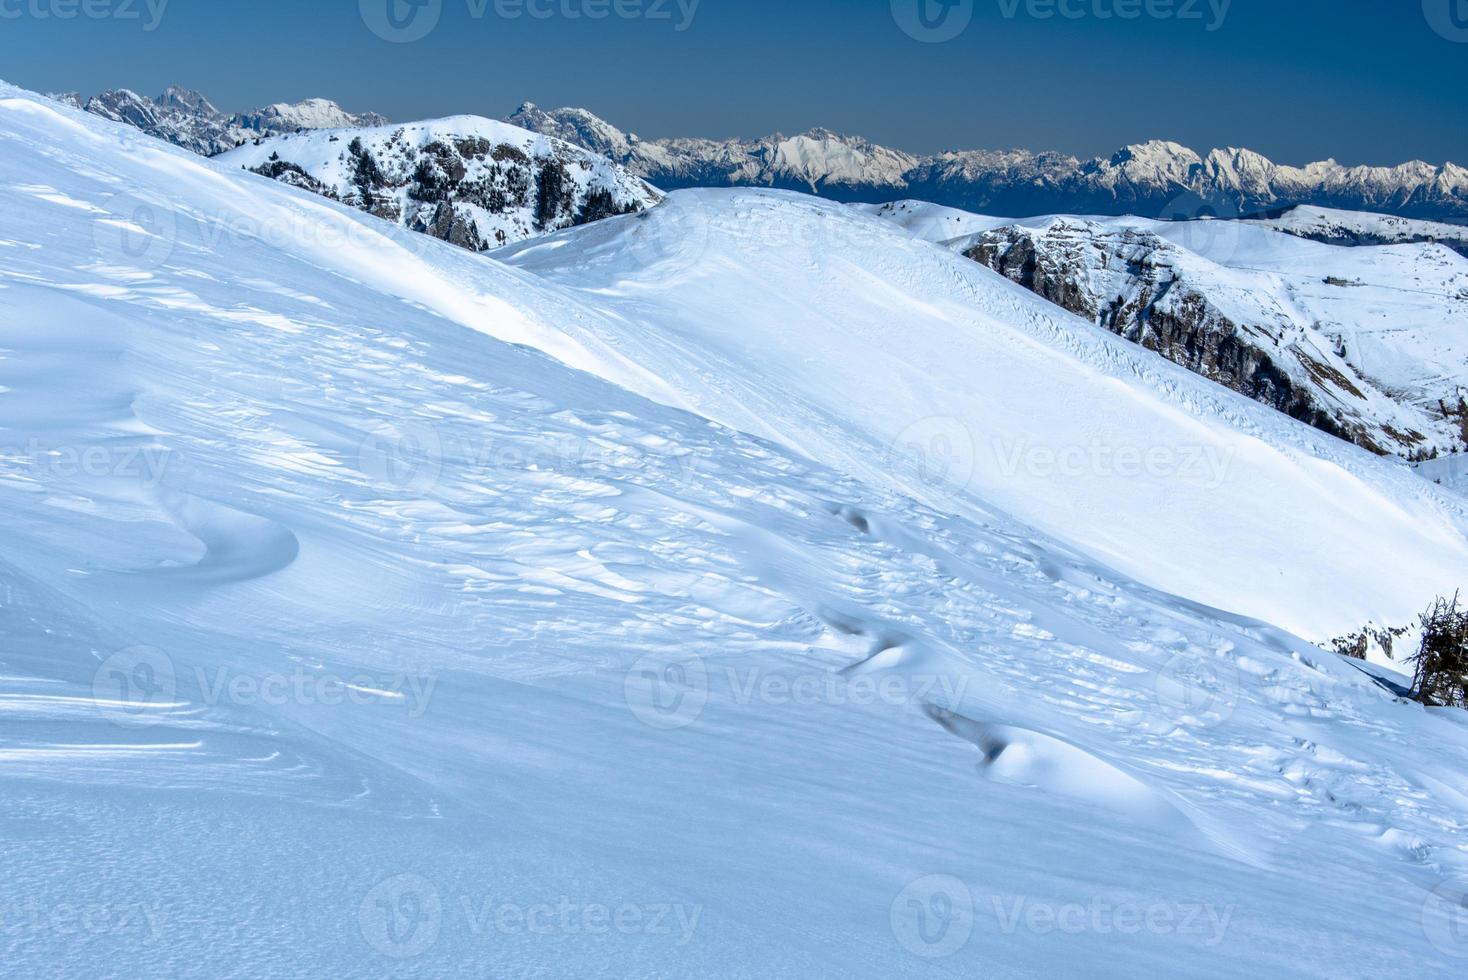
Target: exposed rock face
x,y
1157,294
1155,179
187,119
476,183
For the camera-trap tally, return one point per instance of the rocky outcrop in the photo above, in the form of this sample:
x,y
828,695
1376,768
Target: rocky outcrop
x,y
473,182
1156,294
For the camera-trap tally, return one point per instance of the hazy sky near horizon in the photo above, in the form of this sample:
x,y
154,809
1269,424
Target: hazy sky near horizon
x,y
1364,81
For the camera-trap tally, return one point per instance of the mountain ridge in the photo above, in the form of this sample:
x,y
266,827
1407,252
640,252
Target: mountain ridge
x,y
186,118
1158,178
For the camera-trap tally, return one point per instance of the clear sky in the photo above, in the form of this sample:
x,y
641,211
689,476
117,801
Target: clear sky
x,y
1365,81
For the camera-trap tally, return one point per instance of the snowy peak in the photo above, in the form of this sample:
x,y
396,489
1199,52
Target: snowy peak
x,y
817,161
1154,160
577,126
175,97
310,114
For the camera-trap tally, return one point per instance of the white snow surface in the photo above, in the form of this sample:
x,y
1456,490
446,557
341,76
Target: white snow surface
x,y
370,609
933,222
852,343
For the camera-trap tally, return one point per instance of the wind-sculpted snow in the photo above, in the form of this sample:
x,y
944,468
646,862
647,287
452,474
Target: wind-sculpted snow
x,y
353,622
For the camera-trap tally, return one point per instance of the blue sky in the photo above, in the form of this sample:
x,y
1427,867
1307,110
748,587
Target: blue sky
x,y
1365,81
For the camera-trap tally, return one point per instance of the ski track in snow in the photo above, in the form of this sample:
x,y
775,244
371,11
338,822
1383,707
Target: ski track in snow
x,y
313,473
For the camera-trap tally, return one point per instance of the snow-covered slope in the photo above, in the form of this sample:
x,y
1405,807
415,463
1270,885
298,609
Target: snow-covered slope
x,y
1335,227
470,181
1157,178
1366,344
932,222
355,625
843,337
186,118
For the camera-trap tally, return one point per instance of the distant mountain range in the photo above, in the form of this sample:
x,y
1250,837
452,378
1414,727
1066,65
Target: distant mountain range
x,y
1155,179
187,119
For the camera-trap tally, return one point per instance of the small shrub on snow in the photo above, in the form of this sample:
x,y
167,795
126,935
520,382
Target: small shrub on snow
x,y
1442,661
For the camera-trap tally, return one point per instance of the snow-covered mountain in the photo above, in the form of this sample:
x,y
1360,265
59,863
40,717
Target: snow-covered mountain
x,y
474,182
819,162
1335,227
744,587
1367,344
186,118
1155,179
